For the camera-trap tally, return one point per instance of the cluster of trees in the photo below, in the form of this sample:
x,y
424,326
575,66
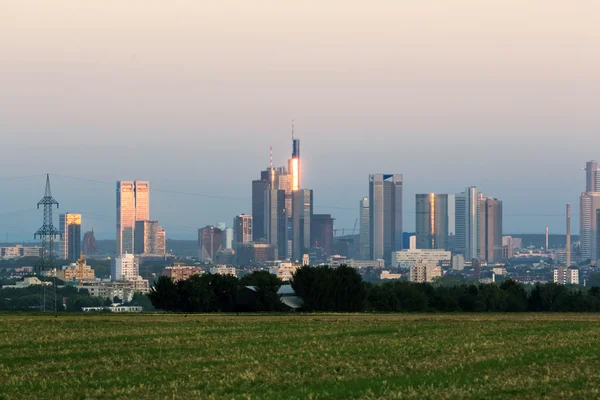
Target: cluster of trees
x,y
342,289
214,292
28,298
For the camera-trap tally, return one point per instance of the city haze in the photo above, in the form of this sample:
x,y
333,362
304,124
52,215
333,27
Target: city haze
x,y
190,95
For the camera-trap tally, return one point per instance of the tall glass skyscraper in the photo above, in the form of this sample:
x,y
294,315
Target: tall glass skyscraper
x,y
432,221
302,212
133,204
70,229
385,213
466,211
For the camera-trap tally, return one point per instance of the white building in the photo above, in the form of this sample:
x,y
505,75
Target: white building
x,y
26,282
422,272
121,289
125,268
408,258
223,270
458,262
566,276
358,264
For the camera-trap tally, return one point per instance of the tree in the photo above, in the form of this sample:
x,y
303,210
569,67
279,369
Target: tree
x,y
164,294
267,287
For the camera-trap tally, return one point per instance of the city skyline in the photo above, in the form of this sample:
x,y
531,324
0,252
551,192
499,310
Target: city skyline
x,y
443,103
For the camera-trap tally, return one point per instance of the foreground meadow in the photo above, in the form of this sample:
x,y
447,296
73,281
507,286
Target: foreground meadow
x,y
299,356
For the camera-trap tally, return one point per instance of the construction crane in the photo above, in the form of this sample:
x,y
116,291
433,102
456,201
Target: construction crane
x,y
335,231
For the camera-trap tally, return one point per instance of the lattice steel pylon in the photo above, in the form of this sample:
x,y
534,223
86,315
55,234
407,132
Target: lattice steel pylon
x,y
47,233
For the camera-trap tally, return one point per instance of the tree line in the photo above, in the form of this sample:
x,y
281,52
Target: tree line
x,y
342,289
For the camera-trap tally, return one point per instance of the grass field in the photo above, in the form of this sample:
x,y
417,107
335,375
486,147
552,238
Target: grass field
x,y
303,356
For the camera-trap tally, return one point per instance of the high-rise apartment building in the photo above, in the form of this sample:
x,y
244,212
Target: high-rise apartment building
x,y
432,221
322,233
302,212
242,228
150,238
385,213
133,204
466,211
490,236
364,239
210,241
125,268
70,229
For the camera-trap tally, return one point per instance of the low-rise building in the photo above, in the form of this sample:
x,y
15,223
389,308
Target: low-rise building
x,y
284,270
114,308
121,289
181,272
223,270
26,282
388,275
76,271
358,264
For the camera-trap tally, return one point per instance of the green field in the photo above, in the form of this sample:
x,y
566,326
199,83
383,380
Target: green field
x,y
304,356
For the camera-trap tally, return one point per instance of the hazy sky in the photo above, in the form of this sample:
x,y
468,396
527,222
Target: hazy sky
x,y
190,95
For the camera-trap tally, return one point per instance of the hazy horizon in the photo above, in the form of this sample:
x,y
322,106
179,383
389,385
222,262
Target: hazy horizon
x,y
190,96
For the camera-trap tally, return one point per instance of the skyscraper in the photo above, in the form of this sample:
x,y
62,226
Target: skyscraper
x,y
149,237
133,204
432,221
70,229
385,213
322,233
364,235
490,236
277,231
592,177
466,238
210,241
302,211
259,209
242,228
294,164
589,206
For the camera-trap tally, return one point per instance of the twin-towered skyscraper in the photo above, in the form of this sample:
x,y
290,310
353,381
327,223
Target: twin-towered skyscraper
x,y
590,214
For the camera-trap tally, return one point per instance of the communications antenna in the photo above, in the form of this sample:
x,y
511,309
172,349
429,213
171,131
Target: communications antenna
x,y
47,263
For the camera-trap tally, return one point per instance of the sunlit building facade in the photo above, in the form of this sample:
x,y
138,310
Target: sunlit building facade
x,y
133,204
70,242
432,221
385,213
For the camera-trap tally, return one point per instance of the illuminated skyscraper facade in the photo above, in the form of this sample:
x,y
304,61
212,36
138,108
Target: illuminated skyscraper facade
x,y
385,213
432,221
133,204
242,229
70,229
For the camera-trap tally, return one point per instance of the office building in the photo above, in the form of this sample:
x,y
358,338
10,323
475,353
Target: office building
x,y
322,233
432,221
302,212
294,164
253,253
589,205
125,268
364,251
385,213
228,239
259,209
284,270
508,248
133,204
592,177
242,228
277,230
408,258
458,262
70,230
490,234
423,272
150,238
466,211
210,241
89,243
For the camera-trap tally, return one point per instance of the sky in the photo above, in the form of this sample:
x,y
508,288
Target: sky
x,y
189,95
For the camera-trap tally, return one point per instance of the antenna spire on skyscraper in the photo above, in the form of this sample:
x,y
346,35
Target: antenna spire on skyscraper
x,y
292,130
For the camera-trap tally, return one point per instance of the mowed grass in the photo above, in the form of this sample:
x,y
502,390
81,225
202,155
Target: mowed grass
x,y
299,356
